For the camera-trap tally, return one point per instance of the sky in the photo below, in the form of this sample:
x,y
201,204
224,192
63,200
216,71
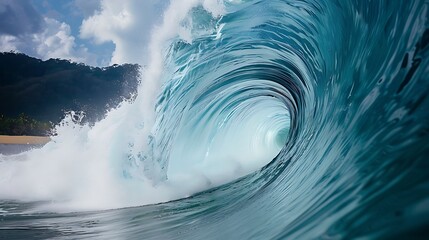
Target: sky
x,y
94,32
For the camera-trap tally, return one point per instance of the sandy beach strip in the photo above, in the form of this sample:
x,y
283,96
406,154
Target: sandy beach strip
x,y
4,139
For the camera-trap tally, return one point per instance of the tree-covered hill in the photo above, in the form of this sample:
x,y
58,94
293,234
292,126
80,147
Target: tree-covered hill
x,y
44,90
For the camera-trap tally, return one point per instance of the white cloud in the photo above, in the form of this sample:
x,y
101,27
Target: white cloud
x,y
56,41
125,23
7,43
53,41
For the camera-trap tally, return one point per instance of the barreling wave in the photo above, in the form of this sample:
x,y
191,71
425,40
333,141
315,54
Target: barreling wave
x,y
276,119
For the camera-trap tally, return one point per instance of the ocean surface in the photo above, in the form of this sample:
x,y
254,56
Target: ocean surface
x,y
254,120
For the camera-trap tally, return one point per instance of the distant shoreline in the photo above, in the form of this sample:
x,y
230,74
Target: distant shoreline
x,y
24,140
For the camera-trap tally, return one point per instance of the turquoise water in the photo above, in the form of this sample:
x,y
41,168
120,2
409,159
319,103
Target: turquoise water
x,y
304,119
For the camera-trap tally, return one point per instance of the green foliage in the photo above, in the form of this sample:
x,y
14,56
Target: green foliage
x,y
24,125
45,90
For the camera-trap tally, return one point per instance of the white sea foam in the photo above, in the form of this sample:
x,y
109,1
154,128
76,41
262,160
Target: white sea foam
x,y
86,167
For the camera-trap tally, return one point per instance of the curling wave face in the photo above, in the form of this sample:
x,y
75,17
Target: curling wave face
x,y
315,110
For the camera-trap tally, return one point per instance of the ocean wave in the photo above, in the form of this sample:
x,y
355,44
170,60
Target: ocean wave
x,y
262,120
